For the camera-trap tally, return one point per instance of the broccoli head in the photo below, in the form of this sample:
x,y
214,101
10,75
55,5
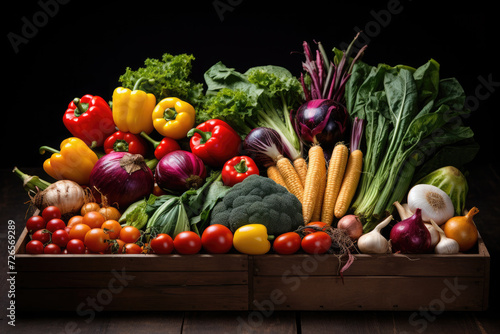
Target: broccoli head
x,y
259,200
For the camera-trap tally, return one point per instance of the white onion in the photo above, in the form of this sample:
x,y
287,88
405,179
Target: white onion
x,y
434,203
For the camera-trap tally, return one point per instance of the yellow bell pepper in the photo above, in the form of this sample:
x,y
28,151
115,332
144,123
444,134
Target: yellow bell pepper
x,y
73,162
173,118
252,239
132,109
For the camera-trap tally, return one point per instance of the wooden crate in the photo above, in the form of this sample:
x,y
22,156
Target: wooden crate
x,y
87,283
372,282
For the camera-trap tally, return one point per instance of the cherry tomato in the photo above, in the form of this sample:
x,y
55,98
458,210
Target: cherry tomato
x,y
130,234
287,243
93,219
75,246
78,231
60,238
89,207
217,239
162,244
112,227
52,249
34,247
55,224
51,212
316,243
96,240
132,248
35,223
41,235
321,225
74,220
187,242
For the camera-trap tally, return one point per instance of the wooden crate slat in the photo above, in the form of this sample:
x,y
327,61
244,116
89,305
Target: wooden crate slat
x,y
82,301
369,292
102,279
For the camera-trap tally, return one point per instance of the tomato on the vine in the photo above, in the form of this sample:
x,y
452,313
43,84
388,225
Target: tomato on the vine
x,y
51,212
217,239
35,223
287,243
34,247
316,243
52,249
187,242
162,244
96,240
78,231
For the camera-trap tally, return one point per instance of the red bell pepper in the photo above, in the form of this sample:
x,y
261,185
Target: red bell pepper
x,y
166,145
125,142
237,169
214,142
89,118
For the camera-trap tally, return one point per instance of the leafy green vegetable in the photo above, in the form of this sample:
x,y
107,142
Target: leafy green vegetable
x,y
411,114
261,97
166,77
190,211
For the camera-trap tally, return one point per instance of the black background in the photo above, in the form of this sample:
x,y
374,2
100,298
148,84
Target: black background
x,y
82,47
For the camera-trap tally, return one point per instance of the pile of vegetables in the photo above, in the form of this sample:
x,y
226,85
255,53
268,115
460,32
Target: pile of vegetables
x,y
341,159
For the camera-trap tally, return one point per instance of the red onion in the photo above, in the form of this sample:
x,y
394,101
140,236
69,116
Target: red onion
x,y
122,177
180,170
410,235
322,121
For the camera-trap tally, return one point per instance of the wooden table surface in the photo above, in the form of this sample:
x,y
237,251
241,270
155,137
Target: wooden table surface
x,y
484,182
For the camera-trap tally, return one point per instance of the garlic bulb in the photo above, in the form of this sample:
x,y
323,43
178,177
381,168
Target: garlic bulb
x,y
435,237
373,242
445,245
434,203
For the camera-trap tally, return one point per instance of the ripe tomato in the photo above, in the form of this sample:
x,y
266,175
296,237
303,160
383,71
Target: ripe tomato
x,y
131,248
130,234
112,227
78,231
74,220
35,223
89,207
162,244
34,247
187,242
55,224
93,219
96,240
41,235
52,249
316,243
287,243
75,246
60,238
217,239
51,212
